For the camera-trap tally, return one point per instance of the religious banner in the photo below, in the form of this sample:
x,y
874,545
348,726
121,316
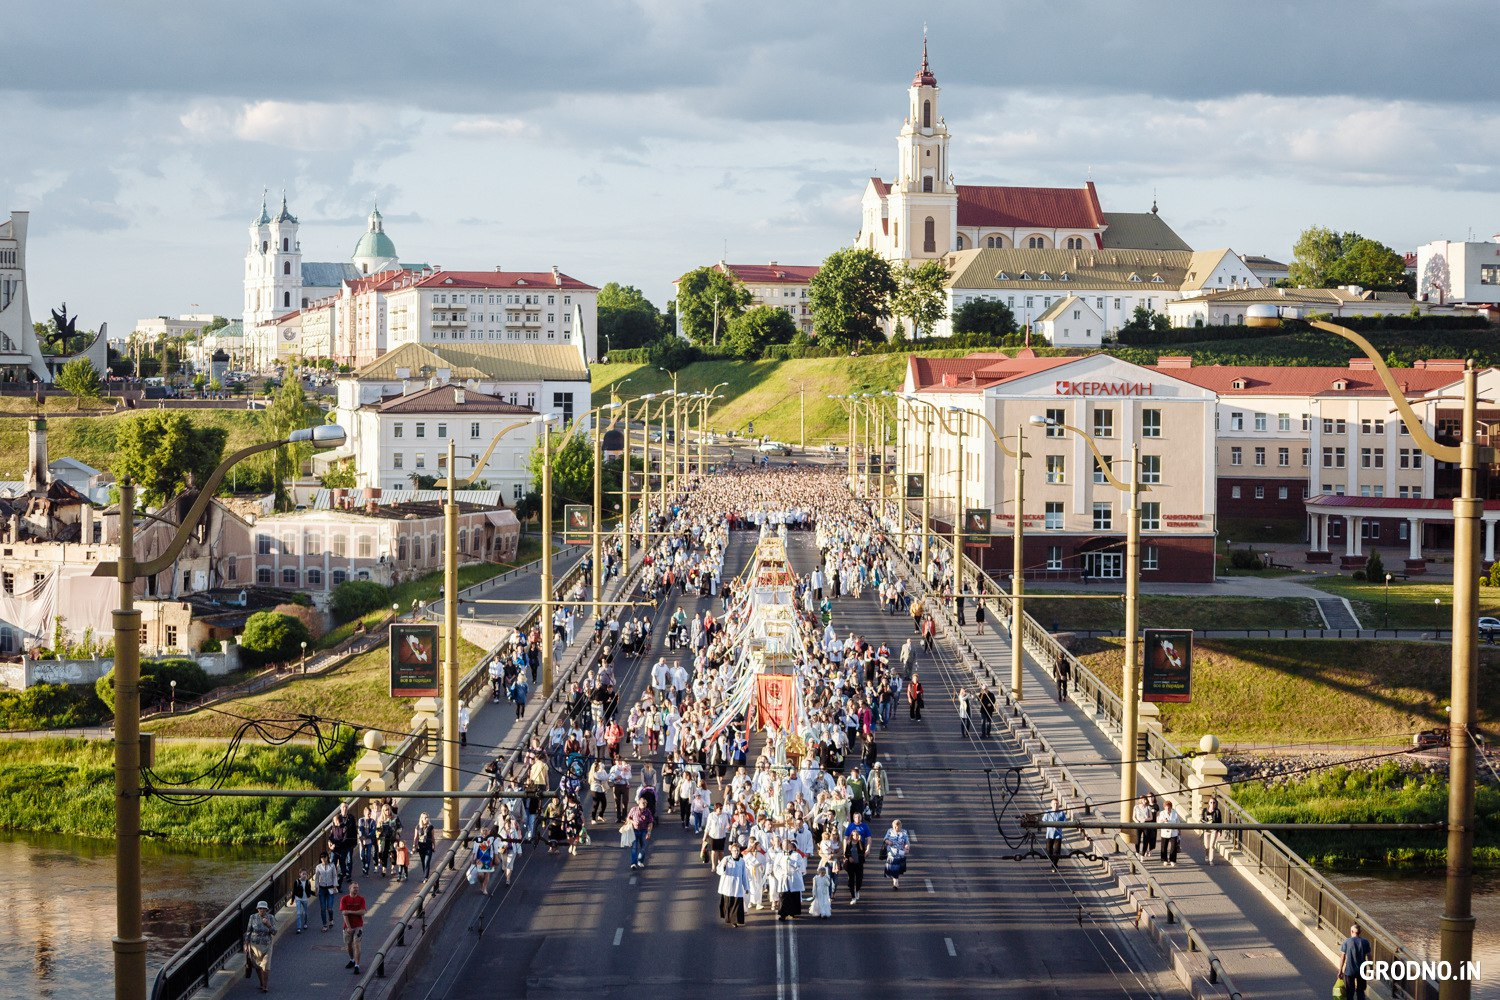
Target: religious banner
x,y
414,661
775,702
977,526
578,524
916,485
1167,669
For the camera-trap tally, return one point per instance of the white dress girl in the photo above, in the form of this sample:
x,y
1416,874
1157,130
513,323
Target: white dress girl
x,y
822,902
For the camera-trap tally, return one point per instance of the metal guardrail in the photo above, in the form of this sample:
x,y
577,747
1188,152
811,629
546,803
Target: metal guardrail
x,y
1299,882
1408,634
221,938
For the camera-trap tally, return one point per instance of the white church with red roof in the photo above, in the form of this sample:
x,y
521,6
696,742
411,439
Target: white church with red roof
x,y
923,215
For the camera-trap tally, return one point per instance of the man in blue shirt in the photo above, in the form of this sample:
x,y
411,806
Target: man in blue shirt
x,y
1056,814
858,827
1353,954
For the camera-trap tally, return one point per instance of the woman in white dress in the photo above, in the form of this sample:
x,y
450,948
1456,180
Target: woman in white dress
x,y
822,897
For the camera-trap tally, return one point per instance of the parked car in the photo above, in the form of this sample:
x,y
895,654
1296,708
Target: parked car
x,y
1489,629
774,448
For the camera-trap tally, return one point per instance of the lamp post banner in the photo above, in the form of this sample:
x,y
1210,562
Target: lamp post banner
x,y
1167,669
916,485
977,526
414,661
578,524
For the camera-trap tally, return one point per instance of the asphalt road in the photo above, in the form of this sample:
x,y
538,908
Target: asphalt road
x,y
964,923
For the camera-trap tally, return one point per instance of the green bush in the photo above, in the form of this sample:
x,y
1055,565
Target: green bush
x,y
156,682
354,598
1245,559
1494,578
51,706
1374,567
270,637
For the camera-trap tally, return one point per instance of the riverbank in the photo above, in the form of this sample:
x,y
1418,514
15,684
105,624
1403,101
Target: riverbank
x,y
66,786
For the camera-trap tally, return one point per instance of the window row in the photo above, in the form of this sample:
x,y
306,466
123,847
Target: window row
x,y
1057,472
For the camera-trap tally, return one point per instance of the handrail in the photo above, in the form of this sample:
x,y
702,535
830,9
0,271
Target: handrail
x,y
1333,909
220,938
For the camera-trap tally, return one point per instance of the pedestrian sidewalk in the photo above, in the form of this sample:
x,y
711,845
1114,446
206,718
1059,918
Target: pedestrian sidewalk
x,y
1260,947
313,962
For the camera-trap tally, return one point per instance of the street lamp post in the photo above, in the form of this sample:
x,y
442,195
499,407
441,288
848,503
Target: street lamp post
x,y
1387,615
1456,939
676,434
129,942
173,683
304,659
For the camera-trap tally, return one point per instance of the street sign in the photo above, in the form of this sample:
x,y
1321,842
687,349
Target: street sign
x,y
977,526
1167,669
578,524
915,485
414,661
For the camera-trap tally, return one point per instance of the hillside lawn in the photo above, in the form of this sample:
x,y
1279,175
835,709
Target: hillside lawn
x,y
1411,601
357,693
1176,612
1310,690
91,440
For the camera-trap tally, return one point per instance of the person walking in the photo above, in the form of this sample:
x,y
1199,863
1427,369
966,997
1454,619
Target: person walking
x,y
326,881
897,847
856,849
463,725
302,895
1214,815
986,712
914,698
422,840
963,713
1061,671
641,822
822,897
1054,814
876,788
787,870
1353,954
260,935
1170,835
352,909
733,883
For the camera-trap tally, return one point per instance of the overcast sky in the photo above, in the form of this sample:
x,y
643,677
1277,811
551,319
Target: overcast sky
x,y
633,141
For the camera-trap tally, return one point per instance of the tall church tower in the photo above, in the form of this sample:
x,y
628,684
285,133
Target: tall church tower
x,y
923,200
285,260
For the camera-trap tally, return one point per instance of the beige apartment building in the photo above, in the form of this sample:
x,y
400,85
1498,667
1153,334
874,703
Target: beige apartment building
x,y
1074,519
1323,445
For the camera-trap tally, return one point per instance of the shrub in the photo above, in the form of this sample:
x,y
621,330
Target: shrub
x,y
1245,559
271,637
156,681
672,354
1495,573
1358,576
1375,567
311,618
354,598
51,706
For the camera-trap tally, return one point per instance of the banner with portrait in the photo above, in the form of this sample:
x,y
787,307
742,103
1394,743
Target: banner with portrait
x,y
1167,667
977,526
414,661
578,524
916,485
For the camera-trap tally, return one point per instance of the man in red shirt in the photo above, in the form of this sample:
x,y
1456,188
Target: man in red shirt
x,y
352,907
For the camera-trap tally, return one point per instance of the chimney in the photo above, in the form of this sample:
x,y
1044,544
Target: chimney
x,y
458,397
556,276
1362,364
1175,361
37,476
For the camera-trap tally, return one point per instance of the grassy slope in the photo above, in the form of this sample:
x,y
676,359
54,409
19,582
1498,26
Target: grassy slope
x,y
1312,690
67,786
91,439
1410,602
1178,612
358,693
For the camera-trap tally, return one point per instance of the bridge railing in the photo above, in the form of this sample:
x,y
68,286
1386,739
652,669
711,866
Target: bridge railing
x,y
220,939
1298,881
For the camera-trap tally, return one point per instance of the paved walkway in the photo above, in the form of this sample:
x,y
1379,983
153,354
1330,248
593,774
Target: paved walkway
x,y
1260,949
312,963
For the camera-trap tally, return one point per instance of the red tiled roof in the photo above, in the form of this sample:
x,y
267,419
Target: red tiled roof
x,y
1291,380
977,371
503,279
1044,208
1386,503
443,399
379,281
773,273
881,187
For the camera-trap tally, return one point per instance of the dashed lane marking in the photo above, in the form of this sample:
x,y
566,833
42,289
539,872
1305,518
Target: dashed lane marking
x,y
930,889
620,934
952,951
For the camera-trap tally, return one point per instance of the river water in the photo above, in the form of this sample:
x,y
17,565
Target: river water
x,y
1409,907
57,899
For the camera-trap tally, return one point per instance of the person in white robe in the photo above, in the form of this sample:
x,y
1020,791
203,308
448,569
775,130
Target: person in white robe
x,y
733,882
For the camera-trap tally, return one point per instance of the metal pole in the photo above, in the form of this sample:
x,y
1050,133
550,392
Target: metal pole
x,y
802,417
1130,723
926,489
958,515
1456,940
1018,571
596,547
851,447
450,650
901,439
702,424
625,498
546,603
129,941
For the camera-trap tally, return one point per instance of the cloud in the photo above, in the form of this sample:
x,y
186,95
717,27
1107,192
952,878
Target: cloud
x,y
487,128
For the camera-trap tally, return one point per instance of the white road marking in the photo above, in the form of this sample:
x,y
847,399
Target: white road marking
x,y
929,885
791,940
952,951
632,880
619,935
780,961
900,794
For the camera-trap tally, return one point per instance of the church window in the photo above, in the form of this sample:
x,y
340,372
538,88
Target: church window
x,y
286,267
1036,243
286,244
286,299
1074,243
959,240
927,184
927,114
264,246
929,235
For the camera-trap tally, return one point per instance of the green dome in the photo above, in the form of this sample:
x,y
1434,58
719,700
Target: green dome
x,y
375,244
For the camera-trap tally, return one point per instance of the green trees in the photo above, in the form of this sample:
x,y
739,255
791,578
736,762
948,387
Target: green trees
x,y
919,296
290,410
79,379
704,293
752,331
164,452
271,637
572,467
626,318
340,476
1145,318
987,317
354,598
850,296
1323,258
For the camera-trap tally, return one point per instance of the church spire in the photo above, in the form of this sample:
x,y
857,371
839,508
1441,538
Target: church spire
x,y
924,77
